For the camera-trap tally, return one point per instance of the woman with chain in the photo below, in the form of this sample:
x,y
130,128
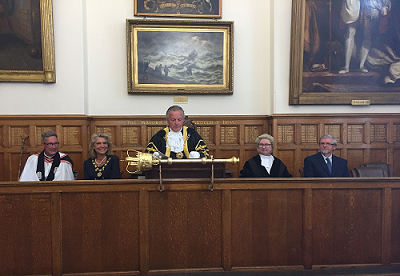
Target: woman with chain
x,y
102,164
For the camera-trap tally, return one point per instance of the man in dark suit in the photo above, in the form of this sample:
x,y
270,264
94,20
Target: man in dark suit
x,y
324,163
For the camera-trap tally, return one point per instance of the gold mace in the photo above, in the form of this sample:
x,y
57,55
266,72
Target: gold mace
x,y
145,161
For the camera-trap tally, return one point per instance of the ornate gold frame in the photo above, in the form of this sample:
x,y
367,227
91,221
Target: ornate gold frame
x,y
178,7
169,27
47,36
299,97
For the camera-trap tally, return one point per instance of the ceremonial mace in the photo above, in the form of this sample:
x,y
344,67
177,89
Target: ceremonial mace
x,y
20,154
145,161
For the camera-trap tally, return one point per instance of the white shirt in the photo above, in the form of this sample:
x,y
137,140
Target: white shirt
x,y
175,141
267,161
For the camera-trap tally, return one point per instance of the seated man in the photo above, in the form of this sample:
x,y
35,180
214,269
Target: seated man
x,y
49,164
176,140
324,163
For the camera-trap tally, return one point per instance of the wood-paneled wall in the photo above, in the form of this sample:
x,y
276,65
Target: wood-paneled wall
x,y
73,134
361,137
127,227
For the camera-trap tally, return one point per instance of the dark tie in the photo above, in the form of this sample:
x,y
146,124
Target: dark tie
x,y
329,164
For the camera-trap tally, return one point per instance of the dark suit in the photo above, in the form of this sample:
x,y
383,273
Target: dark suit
x,y
315,166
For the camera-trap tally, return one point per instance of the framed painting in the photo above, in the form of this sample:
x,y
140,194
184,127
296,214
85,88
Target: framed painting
x,y
27,41
345,52
179,8
180,57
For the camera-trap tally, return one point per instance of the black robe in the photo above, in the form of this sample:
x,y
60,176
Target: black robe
x,y
253,168
193,142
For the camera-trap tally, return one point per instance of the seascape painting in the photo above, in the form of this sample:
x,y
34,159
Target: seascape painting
x,y
180,57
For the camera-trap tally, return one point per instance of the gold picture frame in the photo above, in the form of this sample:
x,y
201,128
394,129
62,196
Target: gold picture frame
x,y
40,45
318,78
178,8
180,57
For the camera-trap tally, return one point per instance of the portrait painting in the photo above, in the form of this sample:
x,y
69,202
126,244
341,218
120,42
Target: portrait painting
x,y
345,51
180,57
179,8
26,41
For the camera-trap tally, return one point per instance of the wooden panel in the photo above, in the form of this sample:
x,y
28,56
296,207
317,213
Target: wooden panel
x,y
208,134
355,157
378,133
229,135
309,134
379,155
266,228
361,137
355,133
395,222
14,164
396,162
3,169
25,234
287,157
126,227
131,136
251,133
286,134
100,232
1,137
71,131
396,132
182,224
347,226
226,154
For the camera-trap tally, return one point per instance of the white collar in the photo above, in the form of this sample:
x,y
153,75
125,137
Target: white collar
x,y
175,141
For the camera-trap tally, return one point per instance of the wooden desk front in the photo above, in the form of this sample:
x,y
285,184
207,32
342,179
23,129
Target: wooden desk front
x,y
125,227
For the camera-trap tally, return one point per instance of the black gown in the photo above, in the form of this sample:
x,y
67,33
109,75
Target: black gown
x,y
253,168
193,142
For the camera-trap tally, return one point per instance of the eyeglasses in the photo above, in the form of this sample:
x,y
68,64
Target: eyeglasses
x,y
264,145
326,144
52,144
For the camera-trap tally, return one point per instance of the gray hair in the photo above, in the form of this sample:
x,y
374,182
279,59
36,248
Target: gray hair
x,y
265,136
93,139
47,134
174,108
327,136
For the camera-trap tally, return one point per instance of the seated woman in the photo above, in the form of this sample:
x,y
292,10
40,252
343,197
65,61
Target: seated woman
x,y
102,165
264,164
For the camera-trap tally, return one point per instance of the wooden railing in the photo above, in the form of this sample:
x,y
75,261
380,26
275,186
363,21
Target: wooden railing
x,y
125,227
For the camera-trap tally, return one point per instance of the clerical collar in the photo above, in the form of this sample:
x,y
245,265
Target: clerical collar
x,y
50,157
